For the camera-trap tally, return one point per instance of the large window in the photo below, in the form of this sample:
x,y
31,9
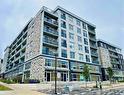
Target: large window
x,y
71,36
78,30
71,45
80,48
63,43
48,62
79,39
86,49
84,26
64,53
63,64
87,58
85,41
63,33
84,33
70,18
71,27
81,57
63,15
78,22
72,54
63,24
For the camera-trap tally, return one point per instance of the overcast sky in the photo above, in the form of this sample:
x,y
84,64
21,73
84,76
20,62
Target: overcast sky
x,y
107,15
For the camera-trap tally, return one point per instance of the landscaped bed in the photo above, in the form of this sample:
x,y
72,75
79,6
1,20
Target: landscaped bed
x,y
4,88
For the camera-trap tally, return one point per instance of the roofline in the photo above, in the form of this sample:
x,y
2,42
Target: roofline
x,y
109,43
68,12
21,31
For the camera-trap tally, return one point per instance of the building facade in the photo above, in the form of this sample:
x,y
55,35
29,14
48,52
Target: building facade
x,y
32,54
1,63
111,56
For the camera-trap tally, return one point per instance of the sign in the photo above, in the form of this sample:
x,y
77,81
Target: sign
x,y
58,75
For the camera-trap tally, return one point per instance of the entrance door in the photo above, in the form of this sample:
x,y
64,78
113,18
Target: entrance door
x,y
47,76
63,76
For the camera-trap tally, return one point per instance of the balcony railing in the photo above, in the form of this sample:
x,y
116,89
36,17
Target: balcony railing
x,y
51,31
93,46
51,21
93,39
94,54
49,53
97,62
90,31
49,41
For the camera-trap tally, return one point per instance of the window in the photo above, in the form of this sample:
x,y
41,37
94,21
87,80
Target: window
x,y
72,54
48,62
80,48
63,33
78,30
64,53
63,15
81,57
64,64
86,49
85,33
85,41
70,18
87,58
78,22
63,24
72,45
71,36
84,26
79,39
63,43
70,27
74,77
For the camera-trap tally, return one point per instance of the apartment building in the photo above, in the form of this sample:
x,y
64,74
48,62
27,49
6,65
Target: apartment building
x,y
111,56
1,63
32,54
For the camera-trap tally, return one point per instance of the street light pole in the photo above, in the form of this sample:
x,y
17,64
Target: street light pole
x,y
55,74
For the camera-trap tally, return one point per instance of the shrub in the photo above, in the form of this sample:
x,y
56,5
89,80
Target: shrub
x,y
8,81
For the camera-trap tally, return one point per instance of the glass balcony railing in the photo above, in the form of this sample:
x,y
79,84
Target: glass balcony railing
x,y
91,31
51,31
94,54
93,38
51,21
95,61
93,46
49,41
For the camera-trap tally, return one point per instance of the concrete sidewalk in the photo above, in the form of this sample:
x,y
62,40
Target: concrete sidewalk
x,y
19,90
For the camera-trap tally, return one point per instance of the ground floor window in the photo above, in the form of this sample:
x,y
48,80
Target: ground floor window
x,y
50,76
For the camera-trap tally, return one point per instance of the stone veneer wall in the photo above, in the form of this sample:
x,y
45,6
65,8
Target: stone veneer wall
x,y
104,57
33,38
37,70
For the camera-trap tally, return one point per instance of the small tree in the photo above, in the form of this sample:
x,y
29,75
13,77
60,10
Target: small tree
x,y
110,73
86,73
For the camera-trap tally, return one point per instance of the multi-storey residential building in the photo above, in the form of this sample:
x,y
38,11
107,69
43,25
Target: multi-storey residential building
x,y
110,56
1,63
32,54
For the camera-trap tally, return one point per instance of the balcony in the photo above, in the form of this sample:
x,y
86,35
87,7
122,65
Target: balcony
x,y
94,54
50,42
95,61
48,52
51,22
52,32
92,38
93,46
92,32
115,56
